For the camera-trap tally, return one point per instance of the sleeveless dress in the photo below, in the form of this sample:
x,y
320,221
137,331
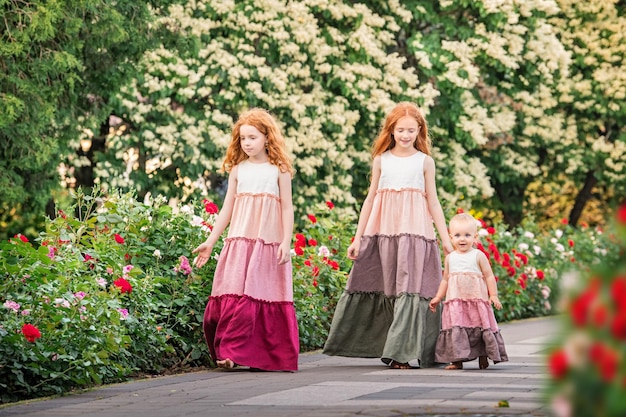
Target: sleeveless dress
x,y
384,311
250,317
468,328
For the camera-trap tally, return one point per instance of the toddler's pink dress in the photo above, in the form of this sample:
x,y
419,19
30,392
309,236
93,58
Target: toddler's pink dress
x,y
468,324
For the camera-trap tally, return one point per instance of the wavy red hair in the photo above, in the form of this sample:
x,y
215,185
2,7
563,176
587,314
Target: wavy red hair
x,y
263,121
385,140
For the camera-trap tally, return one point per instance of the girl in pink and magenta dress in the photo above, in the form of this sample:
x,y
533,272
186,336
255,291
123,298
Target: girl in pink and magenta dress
x,y
250,318
384,310
468,324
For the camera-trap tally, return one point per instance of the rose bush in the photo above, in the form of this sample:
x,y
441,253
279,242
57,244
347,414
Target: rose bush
x,y
588,360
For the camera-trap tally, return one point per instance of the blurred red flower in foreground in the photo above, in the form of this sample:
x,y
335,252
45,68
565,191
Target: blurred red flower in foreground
x,y
558,364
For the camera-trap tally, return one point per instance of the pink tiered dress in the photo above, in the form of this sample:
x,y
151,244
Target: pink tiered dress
x,y
468,324
250,316
384,310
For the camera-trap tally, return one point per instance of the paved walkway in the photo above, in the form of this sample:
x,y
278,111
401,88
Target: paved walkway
x,y
328,387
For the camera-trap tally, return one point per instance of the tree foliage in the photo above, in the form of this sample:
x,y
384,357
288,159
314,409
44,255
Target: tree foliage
x,y
517,93
60,61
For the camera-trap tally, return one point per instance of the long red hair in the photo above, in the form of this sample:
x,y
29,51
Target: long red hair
x,y
385,140
263,121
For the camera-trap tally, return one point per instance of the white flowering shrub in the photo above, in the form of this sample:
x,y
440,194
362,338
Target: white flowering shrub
x,y
497,80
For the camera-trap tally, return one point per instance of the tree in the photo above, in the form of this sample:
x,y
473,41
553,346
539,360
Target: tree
x,y
330,71
593,97
60,62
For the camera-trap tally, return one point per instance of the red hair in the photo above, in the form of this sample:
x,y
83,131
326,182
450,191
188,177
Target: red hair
x,y
385,140
263,121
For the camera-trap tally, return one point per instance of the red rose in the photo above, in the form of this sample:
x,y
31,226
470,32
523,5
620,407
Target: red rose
x,y
299,250
459,210
570,242
30,332
312,242
300,240
123,285
314,282
522,257
334,265
521,283
312,218
316,271
564,221
600,315
491,230
330,205
558,364
540,274
210,207
119,239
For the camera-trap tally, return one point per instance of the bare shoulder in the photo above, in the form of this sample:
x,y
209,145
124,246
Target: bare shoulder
x,y
428,161
480,255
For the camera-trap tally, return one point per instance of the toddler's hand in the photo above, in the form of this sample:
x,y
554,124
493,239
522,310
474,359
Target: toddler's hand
x,y
434,302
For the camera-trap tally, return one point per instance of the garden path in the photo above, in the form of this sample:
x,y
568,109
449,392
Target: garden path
x,y
329,387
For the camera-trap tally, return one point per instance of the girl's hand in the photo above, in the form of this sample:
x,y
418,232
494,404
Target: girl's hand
x,y
495,301
353,249
447,248
284,253
204,253
434,302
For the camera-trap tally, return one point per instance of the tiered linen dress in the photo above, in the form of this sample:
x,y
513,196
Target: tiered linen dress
x,y
468,324
384,310
250,316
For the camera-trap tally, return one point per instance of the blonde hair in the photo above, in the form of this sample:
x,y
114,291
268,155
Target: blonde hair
x,y
263,121
385,140
463,218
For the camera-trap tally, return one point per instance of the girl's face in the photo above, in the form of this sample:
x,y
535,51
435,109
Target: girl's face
x,y
405,132
462,235
252,142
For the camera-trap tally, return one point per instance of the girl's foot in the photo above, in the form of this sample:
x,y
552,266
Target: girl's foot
x,y
454,365
399,365
483,363
226,364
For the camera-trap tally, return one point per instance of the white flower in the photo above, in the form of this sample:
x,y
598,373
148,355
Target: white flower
x,y
483,232
559,247
323,251
529,235
537,249
523,246
101,282
558,233
156,253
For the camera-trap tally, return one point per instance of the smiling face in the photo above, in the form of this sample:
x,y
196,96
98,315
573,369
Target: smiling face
x,y
252,142
405,133
463,234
